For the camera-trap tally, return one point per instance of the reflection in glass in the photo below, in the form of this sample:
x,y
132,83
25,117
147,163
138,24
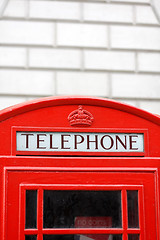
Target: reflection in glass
x,y
31,237
133,218
83,237
82,209
133,237
31,209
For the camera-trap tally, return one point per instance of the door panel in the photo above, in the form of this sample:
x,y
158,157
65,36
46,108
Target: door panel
x,y
109,205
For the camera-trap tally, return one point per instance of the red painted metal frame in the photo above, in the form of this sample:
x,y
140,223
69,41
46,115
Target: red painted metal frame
x,y
81,130
20,117
40,230
80,165
74,100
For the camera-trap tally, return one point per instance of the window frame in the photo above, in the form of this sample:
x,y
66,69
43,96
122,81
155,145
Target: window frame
x,y
39,231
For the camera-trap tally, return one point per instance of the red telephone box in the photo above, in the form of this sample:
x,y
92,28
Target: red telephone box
x,y
78,168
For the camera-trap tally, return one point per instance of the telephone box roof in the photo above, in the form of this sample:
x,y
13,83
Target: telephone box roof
x,y
21,108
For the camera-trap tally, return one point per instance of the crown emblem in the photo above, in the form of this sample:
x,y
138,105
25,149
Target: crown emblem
x,y
80,117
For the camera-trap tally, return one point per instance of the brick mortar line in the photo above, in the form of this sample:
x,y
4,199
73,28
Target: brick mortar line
x,y
22,95
116,98
55,82
51,47
79,21
79,70
109,75
134,16
81,7
155,11
108,32
55,36
82,61
27,58
136,63
27,10
137,98
104,1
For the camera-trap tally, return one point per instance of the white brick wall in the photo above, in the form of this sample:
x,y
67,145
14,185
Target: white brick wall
x,y
108,12
81,35
151,106
132,1
106,48
6,101
16,8
92,84
109,60
54,58
133,86
156,5
145,15
132,37
20,82
12,56
22,32
149,62
55,10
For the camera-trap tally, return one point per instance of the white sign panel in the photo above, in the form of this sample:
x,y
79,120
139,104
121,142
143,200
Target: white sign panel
x,y
79,142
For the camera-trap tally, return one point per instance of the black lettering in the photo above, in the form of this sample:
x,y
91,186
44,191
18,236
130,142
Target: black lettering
x,y
27,138
111,142
132,141
64,141
122,143
40,140
76,142
51,142
92,141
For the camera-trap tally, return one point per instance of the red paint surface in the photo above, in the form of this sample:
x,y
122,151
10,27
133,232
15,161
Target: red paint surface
x,y
18,173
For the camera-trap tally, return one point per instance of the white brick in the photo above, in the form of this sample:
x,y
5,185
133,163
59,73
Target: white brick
x,y
21,32
105,60
149,62
33,98
15,8
55,10
81,35
108,12
10,101
95,84
127,37
55,58
135,86
132,1
156,4
15,57
26,82
151,106
145,14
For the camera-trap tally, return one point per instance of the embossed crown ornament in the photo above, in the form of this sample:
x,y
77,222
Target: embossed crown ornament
x,y
80,117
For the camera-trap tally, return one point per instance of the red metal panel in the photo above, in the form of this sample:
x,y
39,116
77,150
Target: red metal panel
x,y
53,113
132,171
78,180
89,170
80,130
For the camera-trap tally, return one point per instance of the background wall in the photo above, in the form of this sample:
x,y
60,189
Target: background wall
x,y
105,48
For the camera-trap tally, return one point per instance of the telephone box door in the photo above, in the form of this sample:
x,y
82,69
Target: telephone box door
x,y
80,205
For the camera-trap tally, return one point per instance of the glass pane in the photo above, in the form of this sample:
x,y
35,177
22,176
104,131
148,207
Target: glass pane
x,y
133,218
31,209
31,237
82,209
133,237
83,237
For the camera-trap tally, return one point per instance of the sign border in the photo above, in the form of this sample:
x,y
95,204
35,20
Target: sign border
x,y
15,129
